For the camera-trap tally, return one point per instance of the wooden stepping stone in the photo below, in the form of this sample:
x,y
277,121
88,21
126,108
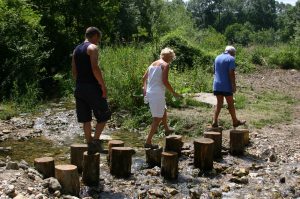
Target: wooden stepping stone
x,y
203,153
217,138
209,128
91,169
67,176
169,165
174,143
120,161
77,151
246,136
236,142
113,143
45,166
153,157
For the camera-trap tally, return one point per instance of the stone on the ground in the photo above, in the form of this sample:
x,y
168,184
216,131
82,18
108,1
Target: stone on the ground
x,y
20,196
171,191
10,191
6,131
12,166
156,192
54,185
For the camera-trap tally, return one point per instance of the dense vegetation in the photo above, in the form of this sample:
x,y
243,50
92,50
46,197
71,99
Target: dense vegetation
x,y
37,38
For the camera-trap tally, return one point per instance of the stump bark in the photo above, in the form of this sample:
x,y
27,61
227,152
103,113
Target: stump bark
x,y
246,136
236,142
91,169
217,138
45,166
209,128
174,143
77,151
120,161
169,165
67,175
113,143
203,153
153,157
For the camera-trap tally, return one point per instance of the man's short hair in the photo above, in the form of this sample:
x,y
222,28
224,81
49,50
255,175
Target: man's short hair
x,y
230,49
91,31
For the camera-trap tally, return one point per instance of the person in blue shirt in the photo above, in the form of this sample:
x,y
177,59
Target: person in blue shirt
x,y
225,85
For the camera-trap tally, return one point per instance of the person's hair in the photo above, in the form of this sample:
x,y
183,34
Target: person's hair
x,y
230,49
91,31
167,51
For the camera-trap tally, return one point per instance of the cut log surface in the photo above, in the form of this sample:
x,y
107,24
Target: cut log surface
x,y
214,129
204,153
217,138
174,143
67,175
45,166
113,143
120,161
77,151
91,169
153,157
169,165
236,142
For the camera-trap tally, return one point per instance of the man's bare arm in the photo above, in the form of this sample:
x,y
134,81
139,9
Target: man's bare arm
x,y
74,70
93,52
232,80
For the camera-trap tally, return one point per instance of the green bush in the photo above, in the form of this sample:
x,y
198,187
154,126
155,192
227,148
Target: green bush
x,y
264,37
286,57
238,33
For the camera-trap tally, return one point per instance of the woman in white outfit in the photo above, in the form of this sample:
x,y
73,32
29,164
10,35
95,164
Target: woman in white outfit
x,y
155,83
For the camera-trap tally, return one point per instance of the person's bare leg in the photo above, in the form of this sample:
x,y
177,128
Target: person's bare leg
x,y
99,128
153,130
231,109
87,128
220,101
164,121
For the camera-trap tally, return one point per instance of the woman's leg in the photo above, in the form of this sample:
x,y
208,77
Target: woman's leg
x,y
153,130
220,100
231,109
164,121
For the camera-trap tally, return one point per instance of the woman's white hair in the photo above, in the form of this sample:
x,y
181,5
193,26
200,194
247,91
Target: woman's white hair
x,y
167,51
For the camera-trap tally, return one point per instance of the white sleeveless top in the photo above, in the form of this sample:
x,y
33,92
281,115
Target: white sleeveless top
x,y
155,84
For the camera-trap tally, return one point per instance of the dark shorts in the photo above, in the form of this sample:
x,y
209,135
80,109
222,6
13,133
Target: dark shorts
x,y
223,93
89,99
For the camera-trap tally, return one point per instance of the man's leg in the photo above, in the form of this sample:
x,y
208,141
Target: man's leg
x,y
87,128
99,128
154,126
231,109
220,100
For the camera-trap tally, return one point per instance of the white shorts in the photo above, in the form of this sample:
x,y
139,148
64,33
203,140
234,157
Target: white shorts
x,y
157,104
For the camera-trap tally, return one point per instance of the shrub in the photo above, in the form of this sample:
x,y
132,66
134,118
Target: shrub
x,y
286,57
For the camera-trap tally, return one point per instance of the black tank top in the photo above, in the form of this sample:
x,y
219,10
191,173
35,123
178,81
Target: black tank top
x,y
83,65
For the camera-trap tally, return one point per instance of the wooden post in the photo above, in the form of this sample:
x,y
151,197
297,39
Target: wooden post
x,y
113,143
120,161
236,142
67,176
174,143
246,135
91,169
209,128
169,165
204,153
77,151
45,166
153,157
217,138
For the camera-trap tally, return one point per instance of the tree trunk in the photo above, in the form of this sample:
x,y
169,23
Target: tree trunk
x,y
113,143
217,138
246,136
91,169
169,165
77,151
120,161
236,142
209,128
204,153
174,143
153,157
45,166
67,175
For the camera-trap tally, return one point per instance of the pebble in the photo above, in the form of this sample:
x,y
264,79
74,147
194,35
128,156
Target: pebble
x,y
12,166
156,192
171,191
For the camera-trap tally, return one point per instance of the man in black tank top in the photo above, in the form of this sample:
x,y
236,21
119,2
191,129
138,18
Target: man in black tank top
x,y
90,92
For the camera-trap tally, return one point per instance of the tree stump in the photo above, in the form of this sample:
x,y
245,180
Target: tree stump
x,y
113,143
45,166
174,143
246,136
236,142
120,161
91,169
203,153
209,128
153,157
67,175
169,165
217,138
77,151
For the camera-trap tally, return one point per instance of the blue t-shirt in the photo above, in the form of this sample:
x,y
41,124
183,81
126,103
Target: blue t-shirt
x,y
223,64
